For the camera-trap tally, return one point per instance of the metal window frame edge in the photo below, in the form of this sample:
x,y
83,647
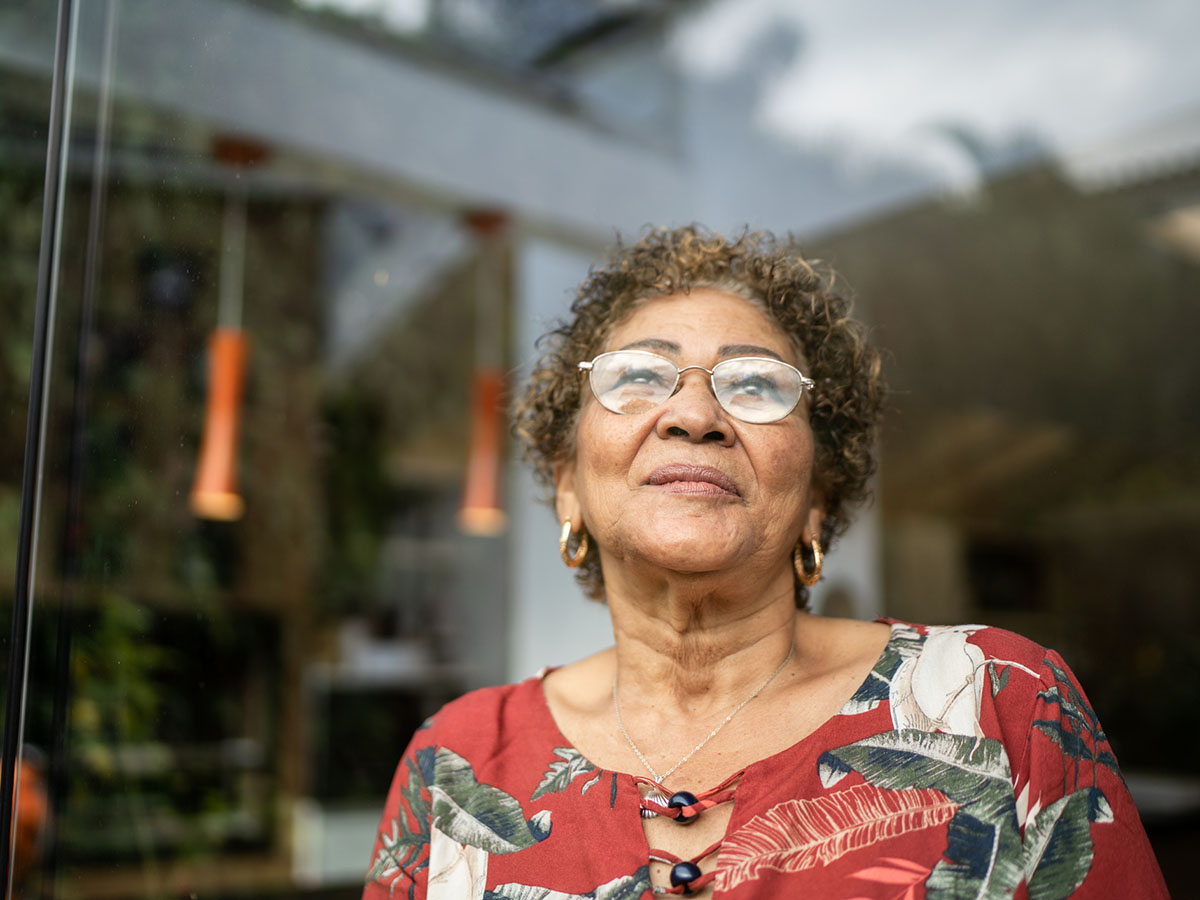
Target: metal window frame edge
x,y
48,263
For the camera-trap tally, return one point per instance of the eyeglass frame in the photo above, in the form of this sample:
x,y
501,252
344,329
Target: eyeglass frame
x,y
806,383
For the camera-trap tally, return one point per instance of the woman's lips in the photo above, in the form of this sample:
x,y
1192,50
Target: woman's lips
x,y
689,479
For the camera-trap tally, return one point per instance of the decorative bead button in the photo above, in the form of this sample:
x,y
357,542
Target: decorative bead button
x,y
684,873
681,799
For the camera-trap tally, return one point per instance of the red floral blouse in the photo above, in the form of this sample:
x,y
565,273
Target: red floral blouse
x,y
968,764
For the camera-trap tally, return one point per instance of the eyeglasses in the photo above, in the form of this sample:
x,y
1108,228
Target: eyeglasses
x,y
755,389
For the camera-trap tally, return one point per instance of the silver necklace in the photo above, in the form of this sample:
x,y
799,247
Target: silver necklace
x,y
657,794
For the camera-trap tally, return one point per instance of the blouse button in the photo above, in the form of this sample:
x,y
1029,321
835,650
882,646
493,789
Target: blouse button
x,y
681,799
684,873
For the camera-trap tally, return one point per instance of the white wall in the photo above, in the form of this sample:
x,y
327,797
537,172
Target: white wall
x,y
550,620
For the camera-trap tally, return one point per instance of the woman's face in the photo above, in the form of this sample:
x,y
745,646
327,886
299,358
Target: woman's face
x,y
686,486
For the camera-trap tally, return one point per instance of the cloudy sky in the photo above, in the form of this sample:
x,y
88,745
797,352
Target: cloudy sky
x,y
880,79
884,77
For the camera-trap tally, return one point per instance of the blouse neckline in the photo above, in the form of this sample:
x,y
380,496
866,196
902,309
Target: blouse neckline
x,y
543,706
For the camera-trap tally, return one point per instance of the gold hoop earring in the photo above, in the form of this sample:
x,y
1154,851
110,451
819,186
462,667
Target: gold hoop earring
x,y
808,579
576,560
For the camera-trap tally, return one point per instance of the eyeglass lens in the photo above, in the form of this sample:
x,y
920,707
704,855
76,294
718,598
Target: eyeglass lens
x,y
752,389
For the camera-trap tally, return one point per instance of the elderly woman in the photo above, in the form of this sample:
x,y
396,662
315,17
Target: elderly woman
x,y
706,420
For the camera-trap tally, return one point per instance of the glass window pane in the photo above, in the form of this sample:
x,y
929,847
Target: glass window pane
x,y
305,245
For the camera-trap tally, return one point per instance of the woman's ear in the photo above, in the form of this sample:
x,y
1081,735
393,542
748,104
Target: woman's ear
x,y
812,528
566,500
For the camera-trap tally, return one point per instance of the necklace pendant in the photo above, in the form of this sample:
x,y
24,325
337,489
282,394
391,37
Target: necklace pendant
x,y
655,795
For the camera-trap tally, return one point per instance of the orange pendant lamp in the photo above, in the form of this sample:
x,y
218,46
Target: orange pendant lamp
x,y
481,512
215,493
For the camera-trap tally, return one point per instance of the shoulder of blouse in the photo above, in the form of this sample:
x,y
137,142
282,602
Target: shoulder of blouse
x,y
482,716
997,644
1007,670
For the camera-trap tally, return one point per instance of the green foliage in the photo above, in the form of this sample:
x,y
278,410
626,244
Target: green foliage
x,y
1058,844
1076,729
402,847
983,856
563,771
479,814
998,681
359,498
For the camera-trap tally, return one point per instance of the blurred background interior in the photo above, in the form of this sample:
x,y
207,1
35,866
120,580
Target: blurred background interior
x,y
299,252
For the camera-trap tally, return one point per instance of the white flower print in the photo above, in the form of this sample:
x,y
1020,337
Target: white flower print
x,y
456,871
941,689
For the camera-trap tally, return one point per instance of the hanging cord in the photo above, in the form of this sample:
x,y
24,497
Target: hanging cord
x,y
683,881
722,793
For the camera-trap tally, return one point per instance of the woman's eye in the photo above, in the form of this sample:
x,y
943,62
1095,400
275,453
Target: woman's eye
x,y
756,386
639,376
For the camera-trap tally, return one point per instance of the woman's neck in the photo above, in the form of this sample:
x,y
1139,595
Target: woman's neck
x,y
696,645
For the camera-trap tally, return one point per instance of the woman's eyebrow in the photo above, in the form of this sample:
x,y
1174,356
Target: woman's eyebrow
x,y
725,352
654,344
747,350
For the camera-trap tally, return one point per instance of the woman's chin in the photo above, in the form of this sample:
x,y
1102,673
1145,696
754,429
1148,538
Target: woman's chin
x,y
693,557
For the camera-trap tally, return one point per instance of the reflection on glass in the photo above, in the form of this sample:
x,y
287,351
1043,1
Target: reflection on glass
x,y
235,690
216,703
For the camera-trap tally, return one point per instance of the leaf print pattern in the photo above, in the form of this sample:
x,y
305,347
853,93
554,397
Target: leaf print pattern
x,y
627,887
984,861
800,834
402,845
478,814
563,771
984,848
1076,726
957,764
1058,844
998,680
904,642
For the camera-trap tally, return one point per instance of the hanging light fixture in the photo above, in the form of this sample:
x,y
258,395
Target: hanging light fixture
x,y
481,512
215,493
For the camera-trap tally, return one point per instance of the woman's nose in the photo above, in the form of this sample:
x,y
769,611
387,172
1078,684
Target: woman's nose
x,y
693,412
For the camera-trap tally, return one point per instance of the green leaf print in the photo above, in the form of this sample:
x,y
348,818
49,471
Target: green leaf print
x,y
480,815
904,643
401,846
562,772
983,861
1000,680
1076,728
1058,844
1085,718
1107,759
1072,744
627,887
1073,694
907,642
983,858
415,800
877,686
958,765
